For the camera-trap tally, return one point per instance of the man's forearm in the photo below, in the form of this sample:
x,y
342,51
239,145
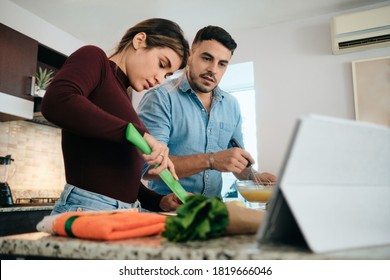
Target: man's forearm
x,y
186,166
189,165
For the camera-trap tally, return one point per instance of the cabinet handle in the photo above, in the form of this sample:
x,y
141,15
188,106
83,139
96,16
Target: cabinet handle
x,y
32,86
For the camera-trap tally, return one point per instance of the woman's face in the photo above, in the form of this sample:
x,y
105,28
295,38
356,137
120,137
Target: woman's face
x,y
147,68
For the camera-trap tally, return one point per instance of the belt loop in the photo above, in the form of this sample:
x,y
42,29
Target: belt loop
x,y
66,192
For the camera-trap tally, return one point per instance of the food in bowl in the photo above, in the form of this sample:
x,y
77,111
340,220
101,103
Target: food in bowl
x,y
254,192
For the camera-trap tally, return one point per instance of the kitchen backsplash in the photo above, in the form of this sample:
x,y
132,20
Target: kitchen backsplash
x,y
37,152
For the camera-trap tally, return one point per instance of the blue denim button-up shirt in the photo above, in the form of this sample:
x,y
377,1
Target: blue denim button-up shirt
x,y
174,115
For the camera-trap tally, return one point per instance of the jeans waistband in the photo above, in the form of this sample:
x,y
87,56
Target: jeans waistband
x,y
70,189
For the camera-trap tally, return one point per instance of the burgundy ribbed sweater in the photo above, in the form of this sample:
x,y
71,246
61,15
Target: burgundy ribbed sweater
x,y
88,100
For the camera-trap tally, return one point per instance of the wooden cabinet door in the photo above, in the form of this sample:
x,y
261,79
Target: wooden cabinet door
x,y
18,62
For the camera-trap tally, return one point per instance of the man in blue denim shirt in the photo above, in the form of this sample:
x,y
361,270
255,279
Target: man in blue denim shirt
x,y
197,120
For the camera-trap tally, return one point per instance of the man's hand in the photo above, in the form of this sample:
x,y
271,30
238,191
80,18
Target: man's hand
x,y
265,178
232,160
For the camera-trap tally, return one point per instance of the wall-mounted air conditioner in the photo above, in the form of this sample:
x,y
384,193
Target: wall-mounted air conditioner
x,y
361,30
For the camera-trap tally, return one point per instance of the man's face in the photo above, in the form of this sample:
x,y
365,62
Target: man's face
x,y
207,64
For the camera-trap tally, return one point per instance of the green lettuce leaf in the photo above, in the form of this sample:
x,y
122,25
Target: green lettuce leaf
x,y
200,218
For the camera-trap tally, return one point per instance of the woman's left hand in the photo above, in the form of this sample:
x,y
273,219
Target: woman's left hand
x,y
158,156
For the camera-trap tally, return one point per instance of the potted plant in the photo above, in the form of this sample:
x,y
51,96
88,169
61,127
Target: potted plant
x,y
43,78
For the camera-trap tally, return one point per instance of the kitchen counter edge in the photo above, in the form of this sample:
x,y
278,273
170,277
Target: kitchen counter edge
x,y
240,247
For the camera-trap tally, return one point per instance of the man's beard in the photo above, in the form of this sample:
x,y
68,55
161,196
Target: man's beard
x,y
198,87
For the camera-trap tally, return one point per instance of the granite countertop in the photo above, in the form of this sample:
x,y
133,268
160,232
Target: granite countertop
x,y
26,207
240,247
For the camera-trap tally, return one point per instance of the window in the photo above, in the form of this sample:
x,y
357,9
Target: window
x,y
239,81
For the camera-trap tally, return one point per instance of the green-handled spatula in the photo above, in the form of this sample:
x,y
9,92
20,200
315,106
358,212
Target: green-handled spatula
x,y
133,136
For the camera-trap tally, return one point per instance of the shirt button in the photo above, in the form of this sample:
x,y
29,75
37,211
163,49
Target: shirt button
x,y
79,209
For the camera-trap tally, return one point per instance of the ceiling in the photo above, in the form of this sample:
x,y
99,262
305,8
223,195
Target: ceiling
x,y
103,22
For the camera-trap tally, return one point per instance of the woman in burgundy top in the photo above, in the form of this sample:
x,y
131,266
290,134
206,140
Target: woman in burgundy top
x,y
88,99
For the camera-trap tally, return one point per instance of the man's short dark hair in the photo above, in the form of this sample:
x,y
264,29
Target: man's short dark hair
x,y
215,33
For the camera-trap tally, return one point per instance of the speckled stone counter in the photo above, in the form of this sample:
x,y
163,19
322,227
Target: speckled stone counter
x,y
43,245
24,207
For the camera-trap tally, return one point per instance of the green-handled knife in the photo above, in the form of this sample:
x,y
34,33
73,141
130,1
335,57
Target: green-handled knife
x,y
133,136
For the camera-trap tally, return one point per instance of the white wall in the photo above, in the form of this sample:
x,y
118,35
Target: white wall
x,y
296,74
34,27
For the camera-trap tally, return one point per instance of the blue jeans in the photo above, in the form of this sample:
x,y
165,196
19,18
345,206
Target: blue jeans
x,y
76,199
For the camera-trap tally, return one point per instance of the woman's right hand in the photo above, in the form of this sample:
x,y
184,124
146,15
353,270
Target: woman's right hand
x,y
159,155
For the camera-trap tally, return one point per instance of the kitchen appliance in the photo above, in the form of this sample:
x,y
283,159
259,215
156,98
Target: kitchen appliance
x,y
6,172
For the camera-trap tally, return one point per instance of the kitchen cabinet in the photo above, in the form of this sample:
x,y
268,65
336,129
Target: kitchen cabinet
x,y
18,63
18,60
20,57
18,219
